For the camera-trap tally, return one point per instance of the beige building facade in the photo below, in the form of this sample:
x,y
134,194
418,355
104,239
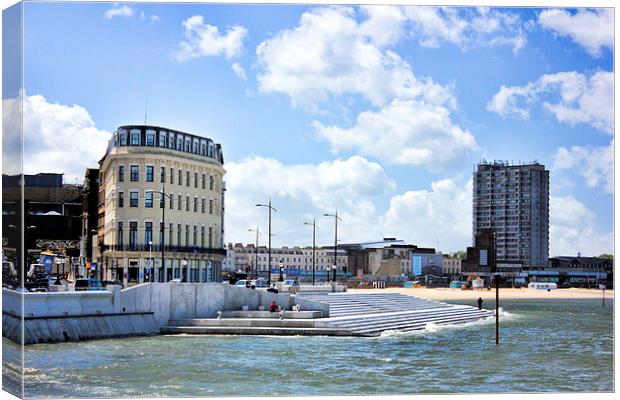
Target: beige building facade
x,y
296,261
161,205
451,265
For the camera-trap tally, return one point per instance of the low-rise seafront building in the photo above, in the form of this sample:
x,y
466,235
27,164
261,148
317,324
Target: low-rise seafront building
x,y
160,207
296,261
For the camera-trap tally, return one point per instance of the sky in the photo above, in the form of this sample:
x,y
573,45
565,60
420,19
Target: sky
x,y
379,112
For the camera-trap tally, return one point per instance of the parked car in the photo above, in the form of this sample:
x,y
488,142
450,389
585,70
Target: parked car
x,y
241,282
260,283
83,284
116,282
290,283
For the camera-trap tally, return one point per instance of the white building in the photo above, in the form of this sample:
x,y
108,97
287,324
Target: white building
x,y
161,198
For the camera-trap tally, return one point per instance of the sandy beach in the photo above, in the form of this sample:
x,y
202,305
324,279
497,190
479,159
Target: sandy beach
x,y
446,294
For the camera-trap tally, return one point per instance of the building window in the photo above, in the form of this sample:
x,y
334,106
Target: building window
x,y
211,182
179,198
202,236
203,148
204,181
195,204
122,137
121,173
186,203
203,206
195,236
180,177
171,176
186,235
171,140
171,201
150,137
121,199
179,142
210,206
133,235
195,147
188,145
149,173
170,234
162,174
135,173
195,179
162,138
119,233
179,235
210,237
148,200
187,178
135,137
162,202
148,233
133,199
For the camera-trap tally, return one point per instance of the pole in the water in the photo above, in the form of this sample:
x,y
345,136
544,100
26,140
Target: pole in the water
x,y
496,308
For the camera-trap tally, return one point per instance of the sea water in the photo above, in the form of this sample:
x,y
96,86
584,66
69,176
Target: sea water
x,y
545,346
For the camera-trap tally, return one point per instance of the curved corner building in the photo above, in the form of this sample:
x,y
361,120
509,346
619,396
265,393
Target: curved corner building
x,y
161,202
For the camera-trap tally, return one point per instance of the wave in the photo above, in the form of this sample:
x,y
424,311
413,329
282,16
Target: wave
x,y
432,327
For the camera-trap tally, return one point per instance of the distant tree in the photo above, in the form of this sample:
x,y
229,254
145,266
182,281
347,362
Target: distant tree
x,y
461,255
607,256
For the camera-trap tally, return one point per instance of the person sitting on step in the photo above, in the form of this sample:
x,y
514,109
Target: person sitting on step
x,y
273,307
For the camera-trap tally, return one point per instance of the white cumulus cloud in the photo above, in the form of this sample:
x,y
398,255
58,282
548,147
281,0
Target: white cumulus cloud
x,y
594,164
572,229
440,217
300,192
118,10
330,54
466,27
591,29
58,138
239,71
579,98
204,40
404,132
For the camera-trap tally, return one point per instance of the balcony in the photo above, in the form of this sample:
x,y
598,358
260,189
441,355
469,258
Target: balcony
x,y
167,249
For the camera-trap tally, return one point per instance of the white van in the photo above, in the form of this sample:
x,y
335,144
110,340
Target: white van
x,y
542,285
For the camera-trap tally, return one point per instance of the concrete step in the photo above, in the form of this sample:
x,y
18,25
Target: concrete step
x,y
245,330
377,318
406,318
245,322
406,327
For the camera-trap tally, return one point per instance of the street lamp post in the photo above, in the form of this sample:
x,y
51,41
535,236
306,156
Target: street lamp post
x,y
255,250
163,228
336,218
151,269
281,272
269,249
313,224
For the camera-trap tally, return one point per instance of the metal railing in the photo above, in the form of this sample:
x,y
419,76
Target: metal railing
x,y
157,248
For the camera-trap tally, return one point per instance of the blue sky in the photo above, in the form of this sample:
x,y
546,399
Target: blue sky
x,y
381,112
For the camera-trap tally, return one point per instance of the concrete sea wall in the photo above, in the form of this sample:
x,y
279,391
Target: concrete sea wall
x,y
139,310
71,316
